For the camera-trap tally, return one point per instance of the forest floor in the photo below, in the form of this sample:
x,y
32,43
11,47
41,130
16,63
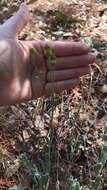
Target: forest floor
x,y
29,158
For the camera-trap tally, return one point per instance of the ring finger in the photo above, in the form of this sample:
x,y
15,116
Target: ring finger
x,y
61,75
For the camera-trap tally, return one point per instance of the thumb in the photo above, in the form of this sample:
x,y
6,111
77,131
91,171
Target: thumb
x,y
16,23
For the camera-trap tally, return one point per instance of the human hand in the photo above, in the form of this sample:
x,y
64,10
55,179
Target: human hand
x,y
20,66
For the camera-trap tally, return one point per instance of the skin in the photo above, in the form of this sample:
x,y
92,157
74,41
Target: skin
x,y
18,67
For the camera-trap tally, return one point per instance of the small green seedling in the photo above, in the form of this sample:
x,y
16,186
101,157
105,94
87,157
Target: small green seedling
x,y
32,51
73,184
101,162
51,58
38,74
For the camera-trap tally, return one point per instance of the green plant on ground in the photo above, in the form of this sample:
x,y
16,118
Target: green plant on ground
x,y
101,162
39,179
73,184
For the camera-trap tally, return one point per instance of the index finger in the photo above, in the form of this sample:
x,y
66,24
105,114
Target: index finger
x,y
68,48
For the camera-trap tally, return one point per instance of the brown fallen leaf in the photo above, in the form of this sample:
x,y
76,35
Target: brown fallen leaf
x,y
101,88
104,89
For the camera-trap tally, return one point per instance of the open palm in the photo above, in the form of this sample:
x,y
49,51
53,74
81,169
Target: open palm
x,y
20,65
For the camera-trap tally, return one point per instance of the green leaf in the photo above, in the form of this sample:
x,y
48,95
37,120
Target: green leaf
x,y
88,41
105,148
96,183
77,186
73,184
32,51
59,15
51,58
39,75
98,168
105,137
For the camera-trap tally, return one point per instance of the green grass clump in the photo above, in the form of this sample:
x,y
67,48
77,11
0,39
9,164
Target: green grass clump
x,y
101,162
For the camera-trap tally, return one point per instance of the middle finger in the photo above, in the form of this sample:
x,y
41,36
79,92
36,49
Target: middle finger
x,y
72,62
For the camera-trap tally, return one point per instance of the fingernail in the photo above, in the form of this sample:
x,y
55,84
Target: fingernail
x,y
92,56
84,46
